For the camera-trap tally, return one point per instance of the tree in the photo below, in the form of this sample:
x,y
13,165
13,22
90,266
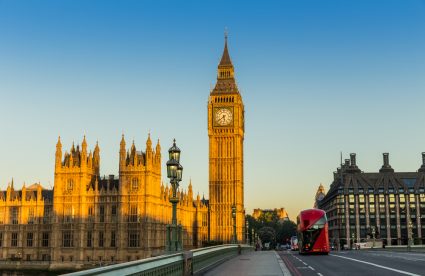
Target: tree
x,y
271,228
286,230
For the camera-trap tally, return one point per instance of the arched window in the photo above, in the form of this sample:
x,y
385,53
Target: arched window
x,y
70,184
135,184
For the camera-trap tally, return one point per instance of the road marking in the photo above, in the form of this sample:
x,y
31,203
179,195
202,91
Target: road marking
x,y
311,268
377,265
320,274
282,265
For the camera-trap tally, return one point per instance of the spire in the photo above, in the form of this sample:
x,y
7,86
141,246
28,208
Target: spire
x,y
59,144
149,142
225,58
158,148
226,83
122,143
58,152
84,144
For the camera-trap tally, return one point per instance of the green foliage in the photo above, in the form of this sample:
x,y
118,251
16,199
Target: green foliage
x,y
270,229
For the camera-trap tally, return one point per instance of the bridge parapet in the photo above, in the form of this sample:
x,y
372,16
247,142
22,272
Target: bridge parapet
x,y
191,262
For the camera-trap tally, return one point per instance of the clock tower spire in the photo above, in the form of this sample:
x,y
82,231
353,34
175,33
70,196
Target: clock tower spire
x,y
226,135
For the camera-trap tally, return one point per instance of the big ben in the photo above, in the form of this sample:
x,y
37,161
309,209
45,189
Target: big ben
x,y
226,136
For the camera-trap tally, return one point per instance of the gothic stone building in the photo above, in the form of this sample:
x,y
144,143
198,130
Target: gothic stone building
x,y
87,220
390,202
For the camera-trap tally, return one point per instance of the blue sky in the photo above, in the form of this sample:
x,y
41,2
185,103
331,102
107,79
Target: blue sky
x,y
317,78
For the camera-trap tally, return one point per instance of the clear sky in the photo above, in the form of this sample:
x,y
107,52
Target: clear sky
x,y
317,78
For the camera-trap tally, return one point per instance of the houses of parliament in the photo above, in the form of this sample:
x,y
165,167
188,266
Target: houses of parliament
x,y
88,220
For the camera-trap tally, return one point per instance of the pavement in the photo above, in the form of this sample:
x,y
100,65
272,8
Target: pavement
x,y
347,263
252,263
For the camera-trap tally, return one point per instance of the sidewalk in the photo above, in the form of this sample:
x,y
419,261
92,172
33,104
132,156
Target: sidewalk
x,y
252,263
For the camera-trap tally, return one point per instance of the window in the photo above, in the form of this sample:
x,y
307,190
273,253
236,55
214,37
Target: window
x,y
101,213
47,212
113,239
30,237
114,210
67,213
135,184
90,214
133,213
133,238
89,238
31,215
67,238
14,212
100,238
45,239
14,241
70,184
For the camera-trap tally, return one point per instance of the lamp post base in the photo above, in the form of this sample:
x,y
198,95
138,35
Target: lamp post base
x,y
174,241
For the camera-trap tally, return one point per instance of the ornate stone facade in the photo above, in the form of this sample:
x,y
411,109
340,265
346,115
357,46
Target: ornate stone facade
x,y
226,135
87,220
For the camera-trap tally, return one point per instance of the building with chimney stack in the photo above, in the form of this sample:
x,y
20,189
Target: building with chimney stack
x,y
386,205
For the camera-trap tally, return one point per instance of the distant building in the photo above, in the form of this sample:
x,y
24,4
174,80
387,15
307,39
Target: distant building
x,y
320,194
386,201
281,213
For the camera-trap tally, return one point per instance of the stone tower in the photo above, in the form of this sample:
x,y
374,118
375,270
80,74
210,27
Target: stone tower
x,y
226,135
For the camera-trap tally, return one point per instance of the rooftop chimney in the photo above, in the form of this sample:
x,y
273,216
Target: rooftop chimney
x,y
422,168
386,167
353,159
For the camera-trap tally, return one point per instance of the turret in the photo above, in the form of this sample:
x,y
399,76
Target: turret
x,y
96,158
190,191
24,192
158,151
122,152
149,150
84,151
58,158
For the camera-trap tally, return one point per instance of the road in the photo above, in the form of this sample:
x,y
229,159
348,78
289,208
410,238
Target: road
x,y
355,262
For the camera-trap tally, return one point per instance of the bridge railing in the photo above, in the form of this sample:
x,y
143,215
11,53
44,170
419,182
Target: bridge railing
x,y
191,262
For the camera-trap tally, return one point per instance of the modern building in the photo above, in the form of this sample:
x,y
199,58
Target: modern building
x,y
386,204
226,130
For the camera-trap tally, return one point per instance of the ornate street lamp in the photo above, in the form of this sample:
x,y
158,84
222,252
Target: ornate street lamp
x,y
234,223
373,236
174,173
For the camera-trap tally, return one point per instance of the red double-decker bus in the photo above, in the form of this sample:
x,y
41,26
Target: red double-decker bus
x,y
313,232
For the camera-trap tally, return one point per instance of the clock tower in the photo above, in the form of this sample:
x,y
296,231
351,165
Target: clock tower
x,y
226,135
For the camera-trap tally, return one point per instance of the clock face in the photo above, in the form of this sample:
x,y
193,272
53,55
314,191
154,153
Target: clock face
x,y
223,117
